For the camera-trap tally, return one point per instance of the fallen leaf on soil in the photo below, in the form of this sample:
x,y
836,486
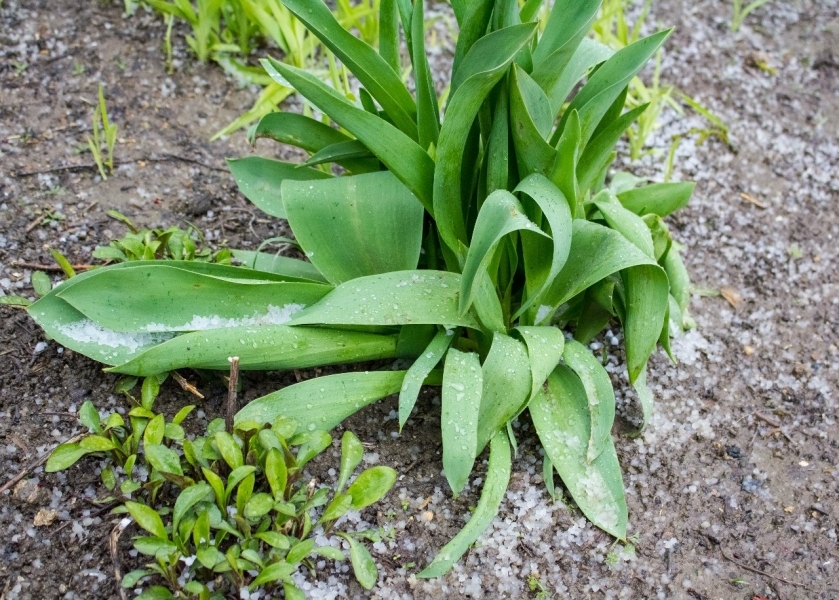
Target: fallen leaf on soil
x,y
789,509
26,490
44,517
732,297
428,516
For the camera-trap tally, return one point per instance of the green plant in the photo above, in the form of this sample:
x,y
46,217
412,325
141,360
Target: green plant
x,y
103,131
173,243
469,244
230,505
740,12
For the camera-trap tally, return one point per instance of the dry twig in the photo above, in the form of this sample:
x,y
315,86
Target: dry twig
x,y
232,382
187,386
35,465
753,200
114,544
759,572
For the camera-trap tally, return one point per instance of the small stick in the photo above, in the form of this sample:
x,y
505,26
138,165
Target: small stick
x,y
759,572
28,265
187,386
231,393
767,419
752,199
115,533
35,223
36,464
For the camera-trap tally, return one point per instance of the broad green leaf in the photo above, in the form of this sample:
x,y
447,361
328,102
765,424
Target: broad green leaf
x,y
371,486
311,444
292,592
63,262
147,518
658,198
630,225
419,371
472,26
64,457
258,506
531,121
15,301
376,218
662,241
461,403
646,300
372,71
41,283
337,508
544,350
97,443
210,556
89,417
598,94
331,552
274,539
600,394
487,304
229,449
155,592
389,34
217,484
154,546
596,252
560,415
267,348
480,70
260,180
598,151
351,454
168,301
398,298
149,391
555,209
276,472
133,577
237,476
153,433
364,567
399,152
276,572
279,265
297,130
188,498
498,145
495,485
506,386
679,280
500,214
300,551
163,459
324,402
557,87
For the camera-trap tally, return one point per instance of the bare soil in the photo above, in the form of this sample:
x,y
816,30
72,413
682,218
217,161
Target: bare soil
x,y
733,490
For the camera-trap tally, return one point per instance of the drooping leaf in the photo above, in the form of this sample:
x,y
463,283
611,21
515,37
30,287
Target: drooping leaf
x,y
260,179
531,120
567,24
461,402
630,225
554,207
64,457
265,348
557,87
598,389
364,567
500,214
495,485
398,298
560,415
646,300
324,402
544,350
419,371
376,218
280,265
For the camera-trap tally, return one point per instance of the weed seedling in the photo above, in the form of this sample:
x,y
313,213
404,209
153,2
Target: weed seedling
x,y
740,12
103,132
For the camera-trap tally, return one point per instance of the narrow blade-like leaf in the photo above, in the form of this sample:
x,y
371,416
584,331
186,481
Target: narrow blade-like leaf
x,y
461,401
419,371
506,386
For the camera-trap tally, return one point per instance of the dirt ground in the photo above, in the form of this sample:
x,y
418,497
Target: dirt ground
x,y
733,490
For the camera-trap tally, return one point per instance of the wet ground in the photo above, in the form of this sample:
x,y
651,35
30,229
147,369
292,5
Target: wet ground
x,y
734,488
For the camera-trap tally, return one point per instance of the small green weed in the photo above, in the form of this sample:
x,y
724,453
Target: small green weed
x,y
229,510
103,132
740,12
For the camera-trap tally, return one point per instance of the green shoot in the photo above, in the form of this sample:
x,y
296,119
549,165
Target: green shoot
x,y
740,12
103,132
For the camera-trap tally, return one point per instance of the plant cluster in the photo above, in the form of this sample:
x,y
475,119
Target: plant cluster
x,y
473,239
229,511
104,132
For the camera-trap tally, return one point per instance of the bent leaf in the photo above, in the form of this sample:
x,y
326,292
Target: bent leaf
x,y
544,350
419,371
658,198
561,418
506,386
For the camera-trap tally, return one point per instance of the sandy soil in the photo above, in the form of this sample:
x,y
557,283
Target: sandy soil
x,y
733,490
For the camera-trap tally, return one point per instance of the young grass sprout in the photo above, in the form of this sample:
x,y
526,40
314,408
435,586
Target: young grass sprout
x,y
104,132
